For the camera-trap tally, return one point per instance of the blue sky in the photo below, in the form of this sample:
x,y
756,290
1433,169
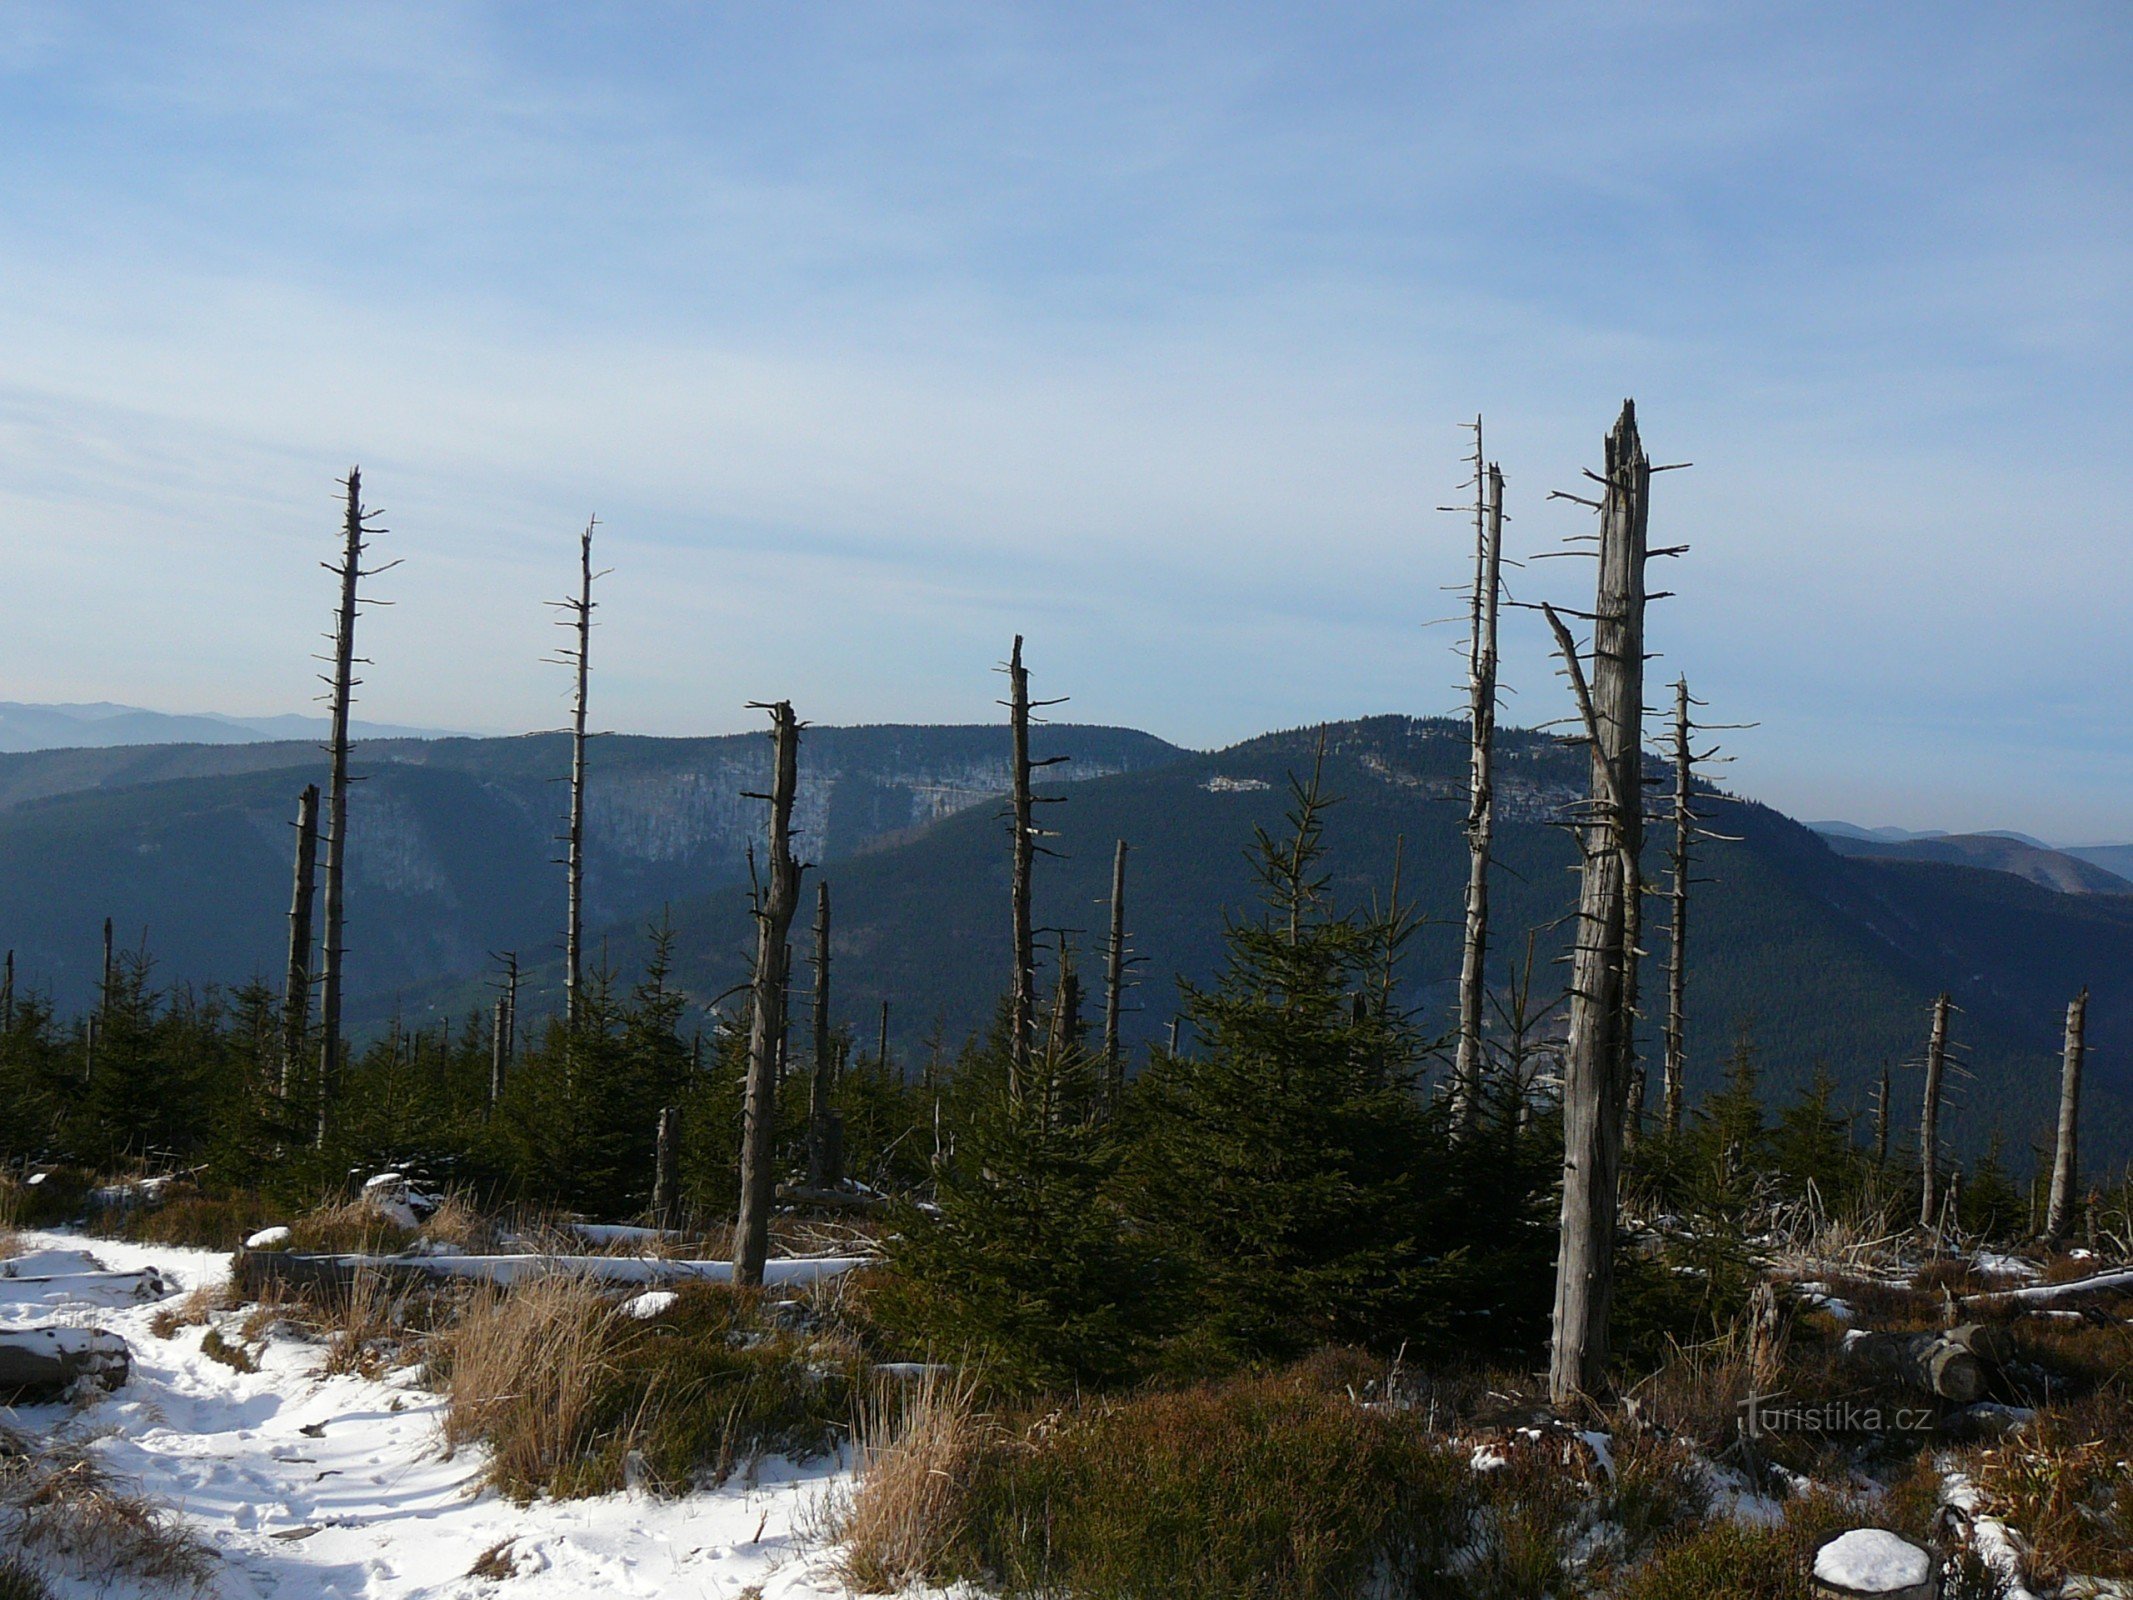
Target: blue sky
x,y
877,334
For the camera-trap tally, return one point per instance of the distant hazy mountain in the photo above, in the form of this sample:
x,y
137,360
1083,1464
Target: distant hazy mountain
x,y
2116,858
2063,870
1824,958
1852,830
452,842
102,725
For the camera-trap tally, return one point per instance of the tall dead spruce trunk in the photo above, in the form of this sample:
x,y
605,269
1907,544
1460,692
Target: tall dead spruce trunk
x,y
774,913
1595,1065
1929,1119
825,1144
577,616
1022,1019
1114,983
296,984
1481,792
355,533
2066,1161
503,1039
1677,944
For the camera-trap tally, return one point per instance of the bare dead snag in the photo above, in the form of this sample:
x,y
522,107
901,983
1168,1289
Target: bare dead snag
x,y
824,1146
1929,1120
1023,803
1023,1000
1610,835
296,982
1677,945
2066,1159
1114,983
1481,801
1881,1122
666,1170
577,655
881,1043
7,992
774,913
355,534
503,1037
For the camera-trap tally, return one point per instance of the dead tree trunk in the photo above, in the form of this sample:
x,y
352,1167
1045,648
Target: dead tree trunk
x,y
1929,1120
296,984
503,1038
7,992
1481,792
1114,983
1595,1065
577,616
881,1043
1881,1122
823,1145
1677,944
2066,1161
350,571
780,898
666,1170
1023,1000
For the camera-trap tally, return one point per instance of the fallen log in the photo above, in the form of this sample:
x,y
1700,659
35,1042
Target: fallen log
x,y
2120,1282
45,1363
259,1271
1934,1363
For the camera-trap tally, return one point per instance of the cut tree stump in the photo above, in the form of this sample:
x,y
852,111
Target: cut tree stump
x,y
45,1363
1872,1562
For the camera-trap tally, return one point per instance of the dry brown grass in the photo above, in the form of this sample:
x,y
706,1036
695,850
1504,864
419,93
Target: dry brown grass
x,y
2066,1485
524,1368
496,1563
365,1325
193,1311
350,1227
913,1443
60,1503
457,1222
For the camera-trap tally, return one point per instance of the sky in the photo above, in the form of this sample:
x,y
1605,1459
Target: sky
x,y
875,335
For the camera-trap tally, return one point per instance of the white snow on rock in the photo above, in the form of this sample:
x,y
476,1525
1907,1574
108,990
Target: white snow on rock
x,y
269,1239
1872,1561
649,1304
307,1485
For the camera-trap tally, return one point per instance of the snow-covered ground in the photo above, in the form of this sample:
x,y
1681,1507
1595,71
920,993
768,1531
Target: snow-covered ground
x,y
313,1485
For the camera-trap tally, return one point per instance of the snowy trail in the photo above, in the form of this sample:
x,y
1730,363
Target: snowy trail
x,y
368,1504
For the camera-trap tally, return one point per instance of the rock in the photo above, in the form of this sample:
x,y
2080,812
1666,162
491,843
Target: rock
x,y
43,1364
1875,1562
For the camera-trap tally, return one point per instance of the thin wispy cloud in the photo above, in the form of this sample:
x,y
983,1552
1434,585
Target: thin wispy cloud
x,y
876,336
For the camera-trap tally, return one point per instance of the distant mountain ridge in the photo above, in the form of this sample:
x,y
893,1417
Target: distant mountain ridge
x,y
1823,957
100,724
2063,870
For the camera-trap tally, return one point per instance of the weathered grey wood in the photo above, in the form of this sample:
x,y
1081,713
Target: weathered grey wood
x,y
1022,1004
1675,1060
1115,982
296,980
1929,1204
825,1144
43,1364
503,1034
7,991
1481,786
577,616
780,898
1881,1121
1933,1363
1610,835
342,688
2066,1159
881,1044
666,1170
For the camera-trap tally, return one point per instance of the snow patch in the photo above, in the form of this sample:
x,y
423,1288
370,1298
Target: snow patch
x,y
649,1304
269,1239
1872,1561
